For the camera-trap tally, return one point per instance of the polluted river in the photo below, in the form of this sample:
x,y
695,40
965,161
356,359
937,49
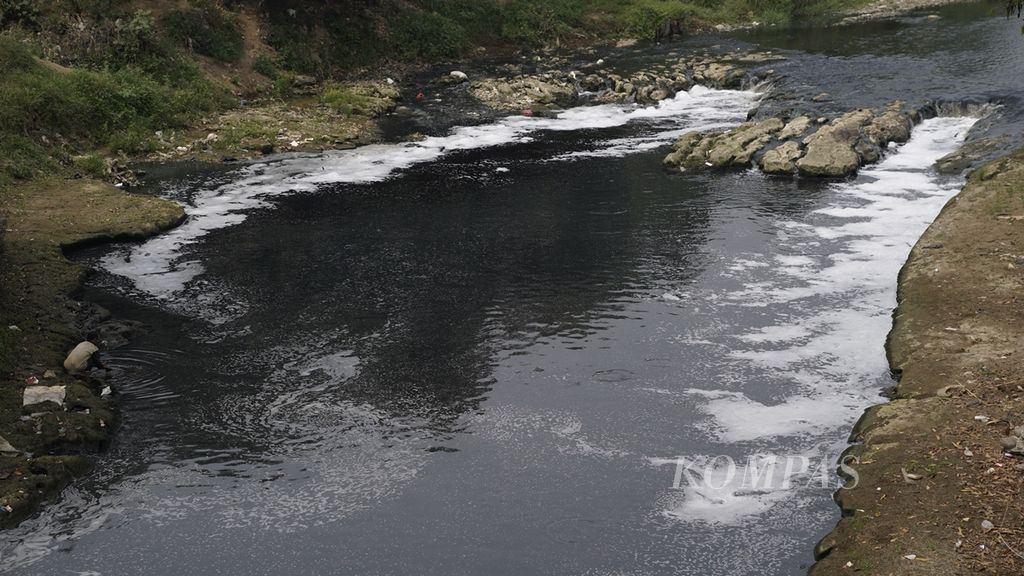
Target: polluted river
x,y
523,346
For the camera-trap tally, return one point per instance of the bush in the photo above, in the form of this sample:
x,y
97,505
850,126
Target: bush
x,y
427,35
535,22
266,64
42,111
344,100
207,29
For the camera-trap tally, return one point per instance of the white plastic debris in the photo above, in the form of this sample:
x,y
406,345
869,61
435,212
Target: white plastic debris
x,y
987,526
39,394
105,392
911,556
6,448
670,297
983,419
501,170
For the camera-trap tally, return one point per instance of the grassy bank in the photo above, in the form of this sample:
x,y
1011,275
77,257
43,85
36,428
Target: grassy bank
x,y
39,325
957,338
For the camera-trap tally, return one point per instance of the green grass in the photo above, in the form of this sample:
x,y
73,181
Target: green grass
x,y
344,100
207,29
46,116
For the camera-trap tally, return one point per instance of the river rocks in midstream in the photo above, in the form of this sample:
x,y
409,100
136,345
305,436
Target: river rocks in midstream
x,y
645,87
801,145
524,92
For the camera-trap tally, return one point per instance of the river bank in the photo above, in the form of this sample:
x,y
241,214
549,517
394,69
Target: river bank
x,y
939,488
42,320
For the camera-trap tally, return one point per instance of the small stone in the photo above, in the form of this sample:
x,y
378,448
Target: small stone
x,y
1019,431
458,76
987,526
6,448
1008,442
49,375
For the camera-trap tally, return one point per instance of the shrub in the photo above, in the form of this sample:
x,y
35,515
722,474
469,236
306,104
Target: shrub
x,y
427,35
536,23
344,100
207,29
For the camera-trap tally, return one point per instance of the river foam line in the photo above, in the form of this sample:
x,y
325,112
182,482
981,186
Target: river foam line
x,y
160,269
831,290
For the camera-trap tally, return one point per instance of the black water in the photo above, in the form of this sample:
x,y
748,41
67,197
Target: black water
x,y
465,371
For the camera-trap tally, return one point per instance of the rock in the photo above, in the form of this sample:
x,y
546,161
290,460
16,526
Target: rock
x,y
49,375
823,97
1008,442
1019,431
267,149
458,76
893,126
660,94
303,81
6,448
626,43
735,147
719,75
523,92
830,150
738,146
795,128
782,159
987,526
39,394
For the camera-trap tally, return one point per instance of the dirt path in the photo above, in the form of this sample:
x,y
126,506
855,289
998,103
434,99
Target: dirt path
x,y
938,492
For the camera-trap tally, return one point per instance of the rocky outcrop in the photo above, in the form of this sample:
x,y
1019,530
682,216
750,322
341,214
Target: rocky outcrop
x,y
524,92
734,147
829,149
660,82
782,159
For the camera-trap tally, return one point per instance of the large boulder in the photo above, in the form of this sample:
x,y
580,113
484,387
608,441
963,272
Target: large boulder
x,y
830,150
782,159
719,75
795,128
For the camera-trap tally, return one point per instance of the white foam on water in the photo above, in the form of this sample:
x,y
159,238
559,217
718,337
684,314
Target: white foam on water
x,y
828,349
158,268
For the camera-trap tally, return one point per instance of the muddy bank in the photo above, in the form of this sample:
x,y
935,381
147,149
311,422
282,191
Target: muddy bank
x,y
940,469
45,444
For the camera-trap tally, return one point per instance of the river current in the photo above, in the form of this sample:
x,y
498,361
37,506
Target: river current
x,y
521,347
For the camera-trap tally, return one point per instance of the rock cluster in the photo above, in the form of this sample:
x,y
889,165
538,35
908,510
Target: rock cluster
x,y
801,145
659,82
523,92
